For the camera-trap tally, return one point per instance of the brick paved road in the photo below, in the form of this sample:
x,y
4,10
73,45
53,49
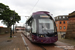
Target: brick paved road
x,y
15,43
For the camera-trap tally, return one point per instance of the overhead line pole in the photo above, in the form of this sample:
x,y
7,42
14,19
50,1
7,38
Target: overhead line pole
x,y
13,21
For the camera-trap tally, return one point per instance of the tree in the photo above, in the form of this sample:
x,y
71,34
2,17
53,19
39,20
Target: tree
x,y
7,15
10,18
3,8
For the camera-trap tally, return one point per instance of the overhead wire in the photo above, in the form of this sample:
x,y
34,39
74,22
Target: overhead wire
x,y
34,6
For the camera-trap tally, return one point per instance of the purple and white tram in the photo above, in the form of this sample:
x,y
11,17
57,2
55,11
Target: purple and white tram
x,y
41,28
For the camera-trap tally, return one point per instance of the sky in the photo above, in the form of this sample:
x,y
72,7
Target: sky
x,y
27,7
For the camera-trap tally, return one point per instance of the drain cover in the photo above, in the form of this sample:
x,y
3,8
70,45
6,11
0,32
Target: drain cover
x,y
14,36
9,40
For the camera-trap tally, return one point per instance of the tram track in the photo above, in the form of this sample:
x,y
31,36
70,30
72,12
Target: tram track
x,y
42,47
45,47
36,44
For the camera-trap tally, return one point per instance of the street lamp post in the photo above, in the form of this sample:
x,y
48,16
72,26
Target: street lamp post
x,y
10,33
11,18
13,28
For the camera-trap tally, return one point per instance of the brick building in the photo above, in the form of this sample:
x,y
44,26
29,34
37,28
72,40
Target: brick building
x,y
61,23
19,28
1,26
4,30
70,34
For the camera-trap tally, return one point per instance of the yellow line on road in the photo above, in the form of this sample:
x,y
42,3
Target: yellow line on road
x,y
14,48
17,48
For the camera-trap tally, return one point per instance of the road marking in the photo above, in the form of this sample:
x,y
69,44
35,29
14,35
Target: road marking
x,y
14,48
17,48
24,42
28,48
25,48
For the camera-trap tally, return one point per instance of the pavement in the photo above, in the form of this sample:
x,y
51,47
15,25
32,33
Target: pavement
x,y
68,41
14,43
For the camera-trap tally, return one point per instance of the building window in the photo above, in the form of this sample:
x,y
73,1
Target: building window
x,y
67,21
59,17
60,27
64,22
67,17
56,27
56,22
60,22
63,16
64,27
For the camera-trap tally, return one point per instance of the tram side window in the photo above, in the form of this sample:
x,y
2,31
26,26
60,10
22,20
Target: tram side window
x,y
34,26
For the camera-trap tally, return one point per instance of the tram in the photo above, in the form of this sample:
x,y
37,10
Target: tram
x,y
41,28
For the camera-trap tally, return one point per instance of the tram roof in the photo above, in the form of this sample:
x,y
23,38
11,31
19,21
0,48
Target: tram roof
x,y
35,13
40,12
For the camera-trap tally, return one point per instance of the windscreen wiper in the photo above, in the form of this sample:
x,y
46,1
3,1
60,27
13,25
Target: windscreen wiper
x,y
46,30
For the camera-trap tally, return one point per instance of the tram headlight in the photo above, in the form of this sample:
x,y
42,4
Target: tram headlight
x,y
55,35
41,36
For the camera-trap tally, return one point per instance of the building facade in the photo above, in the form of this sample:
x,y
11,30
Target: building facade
x,y
61,23
4,30
19,28
70,34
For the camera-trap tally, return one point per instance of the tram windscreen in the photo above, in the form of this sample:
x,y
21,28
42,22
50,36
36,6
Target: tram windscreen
x,y
46,26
